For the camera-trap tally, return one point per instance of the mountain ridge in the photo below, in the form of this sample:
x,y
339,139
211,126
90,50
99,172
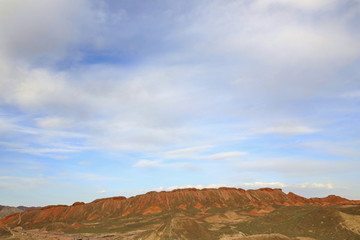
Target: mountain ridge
x,y
262,200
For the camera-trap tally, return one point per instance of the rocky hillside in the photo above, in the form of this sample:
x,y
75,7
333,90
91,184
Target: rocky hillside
x,y
6,210
262,200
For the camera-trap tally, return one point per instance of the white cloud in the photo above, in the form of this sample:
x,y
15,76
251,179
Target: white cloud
x,y
54,122
186,152
274,34
51,150
19,137
299,43
225,155
290,129
302,5
43,150
172,165
159,189
34,30
299,167
102,191
315,185
284,185
193,153
287,127
262,185
15,183
38,89
67,106
147,163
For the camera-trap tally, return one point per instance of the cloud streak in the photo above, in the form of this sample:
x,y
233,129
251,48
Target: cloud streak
x,y
226,155
22,183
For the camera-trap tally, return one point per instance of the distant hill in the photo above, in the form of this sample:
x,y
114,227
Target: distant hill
x,y
190,214
7,210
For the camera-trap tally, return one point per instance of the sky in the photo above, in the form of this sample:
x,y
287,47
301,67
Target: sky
x,y
102,98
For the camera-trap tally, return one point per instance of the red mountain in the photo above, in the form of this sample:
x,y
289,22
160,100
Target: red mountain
x,y
155,202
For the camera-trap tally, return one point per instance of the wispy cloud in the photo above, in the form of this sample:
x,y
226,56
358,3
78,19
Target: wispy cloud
x,y
166,165
186,152
147,163
283,185
309,5
300,167
289,129
226,155
54,123
48,151
15,183
198,153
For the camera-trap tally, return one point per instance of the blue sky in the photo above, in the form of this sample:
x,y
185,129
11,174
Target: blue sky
x,y
108,98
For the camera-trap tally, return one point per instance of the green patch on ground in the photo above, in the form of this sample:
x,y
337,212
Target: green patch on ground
x,y
323,223
122,225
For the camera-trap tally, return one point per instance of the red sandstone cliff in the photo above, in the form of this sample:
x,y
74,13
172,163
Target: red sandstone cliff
x,y
155,202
